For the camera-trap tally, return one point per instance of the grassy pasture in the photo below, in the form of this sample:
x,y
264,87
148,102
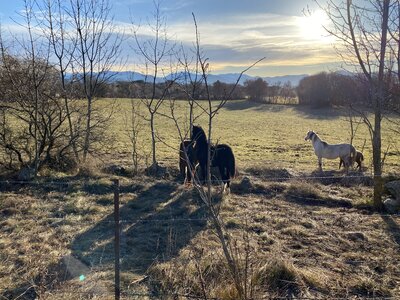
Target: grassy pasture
x,y
262,134
307,238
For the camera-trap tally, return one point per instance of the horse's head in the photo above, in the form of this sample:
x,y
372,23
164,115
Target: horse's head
x,y
309,135
198,134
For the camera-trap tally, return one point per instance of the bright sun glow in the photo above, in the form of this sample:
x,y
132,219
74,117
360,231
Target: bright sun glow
x,y
312,26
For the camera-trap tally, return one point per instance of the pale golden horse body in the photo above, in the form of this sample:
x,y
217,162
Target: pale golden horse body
x,y
322,149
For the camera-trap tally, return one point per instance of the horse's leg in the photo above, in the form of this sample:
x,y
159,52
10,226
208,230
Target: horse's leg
x,y
182,167
320,163
224,176
204,172
347,164
228,182
189,169
185,180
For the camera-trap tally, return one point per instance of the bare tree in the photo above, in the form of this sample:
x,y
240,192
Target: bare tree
x,y
134,128
156,52
28,89
30,98
62,46
193,79
98,50
362,28
287,92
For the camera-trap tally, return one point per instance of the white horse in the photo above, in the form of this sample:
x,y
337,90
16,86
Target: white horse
x,y
322,149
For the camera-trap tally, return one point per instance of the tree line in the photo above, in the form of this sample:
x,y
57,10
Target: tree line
x,y
257,90
338,89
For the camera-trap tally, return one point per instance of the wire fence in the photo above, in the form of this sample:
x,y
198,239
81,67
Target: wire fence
x,y
263,177
118,225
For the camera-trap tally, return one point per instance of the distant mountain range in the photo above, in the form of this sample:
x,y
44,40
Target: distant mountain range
x,y
226,78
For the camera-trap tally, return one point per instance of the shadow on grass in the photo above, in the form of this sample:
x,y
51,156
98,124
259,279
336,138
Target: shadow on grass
x,y
332,177
392,227
315,200
304,111
308,192
155,226
270,174
324,113
246,104
67,185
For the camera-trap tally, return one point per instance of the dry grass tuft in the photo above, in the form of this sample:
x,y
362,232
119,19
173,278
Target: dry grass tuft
x,y
311,193
271,174
279,276
194,276
368,287
226,292
89,169
303,189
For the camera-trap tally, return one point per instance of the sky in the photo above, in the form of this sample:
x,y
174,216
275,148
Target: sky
x,y
234,34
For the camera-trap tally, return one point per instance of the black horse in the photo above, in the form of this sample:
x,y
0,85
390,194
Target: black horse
x,y
184,160
221,156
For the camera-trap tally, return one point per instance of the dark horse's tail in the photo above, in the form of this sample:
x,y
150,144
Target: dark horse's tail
x,y
184,159
231,163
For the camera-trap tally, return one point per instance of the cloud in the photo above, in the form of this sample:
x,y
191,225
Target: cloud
x,y
239,40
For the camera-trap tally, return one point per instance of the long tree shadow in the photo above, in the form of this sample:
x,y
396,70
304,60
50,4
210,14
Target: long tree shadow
x,y
339,177
155,225
311,200
392,227
242,104
67,185
259,106
320,113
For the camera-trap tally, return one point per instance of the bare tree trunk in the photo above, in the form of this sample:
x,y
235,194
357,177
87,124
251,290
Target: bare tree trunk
x,y
35,79
377,162
88,129
153,139
72,136
380,97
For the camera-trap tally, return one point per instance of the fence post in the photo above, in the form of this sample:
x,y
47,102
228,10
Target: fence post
x,y
117,241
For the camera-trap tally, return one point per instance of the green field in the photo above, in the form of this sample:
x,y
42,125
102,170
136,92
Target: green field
x,y
262,135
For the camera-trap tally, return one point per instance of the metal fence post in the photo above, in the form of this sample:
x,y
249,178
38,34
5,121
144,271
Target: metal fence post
x,y
117,240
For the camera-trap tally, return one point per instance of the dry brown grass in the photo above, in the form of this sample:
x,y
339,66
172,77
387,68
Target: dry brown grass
x,y
304,238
